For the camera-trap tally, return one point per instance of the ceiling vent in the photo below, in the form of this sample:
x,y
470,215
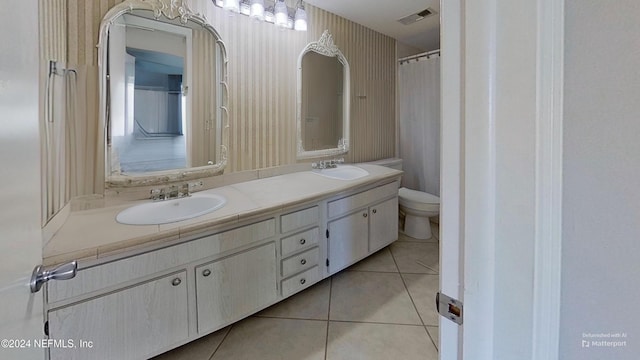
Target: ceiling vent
x,y
407,20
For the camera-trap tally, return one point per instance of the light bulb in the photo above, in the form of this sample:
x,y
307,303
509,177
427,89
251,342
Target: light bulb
x,y
257,10
301,19
231,5
245,9
268,16
281,14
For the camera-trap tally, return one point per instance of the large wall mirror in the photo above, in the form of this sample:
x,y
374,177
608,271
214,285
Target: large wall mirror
x,y
163,94
323,100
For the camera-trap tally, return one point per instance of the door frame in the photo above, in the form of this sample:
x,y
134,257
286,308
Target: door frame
x,y
468,182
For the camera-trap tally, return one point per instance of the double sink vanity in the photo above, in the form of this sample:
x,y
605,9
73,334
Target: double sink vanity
x,y
141,290
154,275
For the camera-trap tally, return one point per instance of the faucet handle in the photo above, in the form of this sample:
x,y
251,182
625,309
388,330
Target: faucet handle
x,y
155,193
195,185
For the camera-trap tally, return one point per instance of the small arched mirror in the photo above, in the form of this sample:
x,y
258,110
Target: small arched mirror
x,y
163,94
323,100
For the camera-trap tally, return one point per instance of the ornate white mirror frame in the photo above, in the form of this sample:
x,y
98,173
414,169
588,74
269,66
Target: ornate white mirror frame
x,y
325,46
168,10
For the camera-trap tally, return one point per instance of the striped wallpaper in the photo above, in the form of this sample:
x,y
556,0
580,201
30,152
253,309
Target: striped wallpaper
x,y
262,83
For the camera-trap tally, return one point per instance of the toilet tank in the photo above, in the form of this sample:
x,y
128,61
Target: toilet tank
x,y
394,163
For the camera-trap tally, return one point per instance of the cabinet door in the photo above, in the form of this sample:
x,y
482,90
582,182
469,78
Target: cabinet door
x,y
383,224
129,324
348,240
234,287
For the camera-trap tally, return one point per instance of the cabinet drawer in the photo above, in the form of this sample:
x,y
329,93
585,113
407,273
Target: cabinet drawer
x,y
113,273
299,219
134,323
350,203
296,242
299,262
300,281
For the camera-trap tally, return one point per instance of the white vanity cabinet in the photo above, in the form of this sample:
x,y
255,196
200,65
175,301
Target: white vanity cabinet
x,y
128,324
144,301
141,305
235,286
360,225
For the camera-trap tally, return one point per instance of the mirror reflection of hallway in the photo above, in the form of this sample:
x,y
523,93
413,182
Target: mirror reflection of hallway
x,y
158,141
148,73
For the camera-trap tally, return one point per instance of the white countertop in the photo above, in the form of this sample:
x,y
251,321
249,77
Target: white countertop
x,y
94,234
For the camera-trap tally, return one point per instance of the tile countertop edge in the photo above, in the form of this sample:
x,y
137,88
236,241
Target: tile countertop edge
x,y
169,236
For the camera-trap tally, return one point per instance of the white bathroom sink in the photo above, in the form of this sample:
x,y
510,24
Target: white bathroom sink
x,y
342,172
168,211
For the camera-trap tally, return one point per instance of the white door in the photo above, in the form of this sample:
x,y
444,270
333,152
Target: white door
x,y
21,318
500,176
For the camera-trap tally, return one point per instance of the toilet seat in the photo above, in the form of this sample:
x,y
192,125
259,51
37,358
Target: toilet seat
x,y
418,200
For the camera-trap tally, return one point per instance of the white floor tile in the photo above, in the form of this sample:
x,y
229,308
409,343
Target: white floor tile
x,y
360,341
435,335
371,297
200,349
277,339
311,304
419,258
423,289
382,261
406,238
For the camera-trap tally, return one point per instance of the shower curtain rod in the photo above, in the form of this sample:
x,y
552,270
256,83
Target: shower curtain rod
x,y
418,56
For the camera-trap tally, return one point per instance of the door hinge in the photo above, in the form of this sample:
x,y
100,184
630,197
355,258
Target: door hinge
x,y
327,233
449,308
46,328
327,262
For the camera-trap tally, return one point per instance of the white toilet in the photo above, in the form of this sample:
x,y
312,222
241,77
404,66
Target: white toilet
x,y
415,206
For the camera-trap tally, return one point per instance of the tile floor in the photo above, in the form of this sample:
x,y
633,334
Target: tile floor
x,y
380,308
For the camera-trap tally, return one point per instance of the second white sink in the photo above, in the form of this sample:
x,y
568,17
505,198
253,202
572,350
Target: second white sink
x,y
168,211
342,172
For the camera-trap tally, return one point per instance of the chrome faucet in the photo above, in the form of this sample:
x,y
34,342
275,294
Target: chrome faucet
x,y
327,164
174,191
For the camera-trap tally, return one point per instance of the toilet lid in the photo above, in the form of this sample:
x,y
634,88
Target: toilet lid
x,y
418,196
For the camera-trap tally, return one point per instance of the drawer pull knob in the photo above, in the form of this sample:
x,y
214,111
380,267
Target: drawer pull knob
x,y
206,272
365,215
303,241
302,281
303,261
176,282
375,211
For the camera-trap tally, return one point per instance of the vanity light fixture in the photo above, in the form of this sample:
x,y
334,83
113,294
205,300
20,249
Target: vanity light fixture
x,y
271,11
300,17
257,10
